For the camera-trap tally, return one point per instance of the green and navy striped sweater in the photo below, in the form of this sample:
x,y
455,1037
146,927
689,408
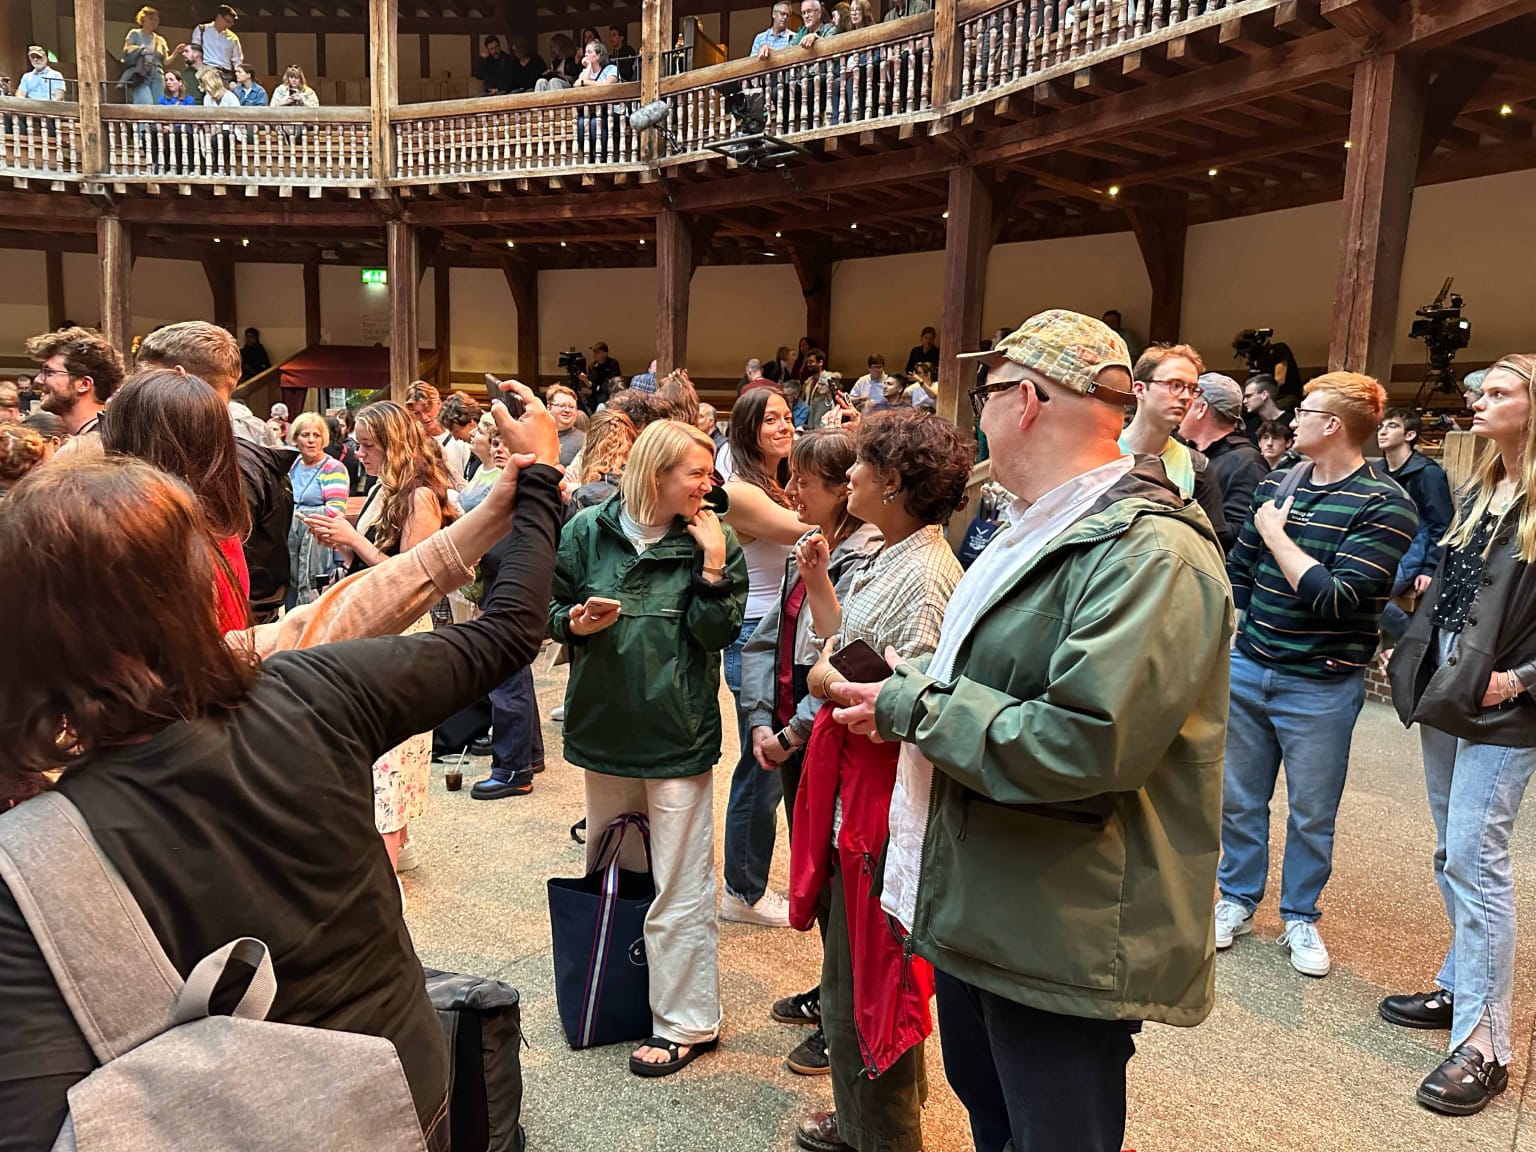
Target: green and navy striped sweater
x,y
1357,529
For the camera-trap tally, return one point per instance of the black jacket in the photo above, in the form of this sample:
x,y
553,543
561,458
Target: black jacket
x,y
1207,494
1427,486
264,475
1500,635
1238,467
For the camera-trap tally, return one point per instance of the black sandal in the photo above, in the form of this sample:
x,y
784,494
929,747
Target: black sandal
x,y
677,1063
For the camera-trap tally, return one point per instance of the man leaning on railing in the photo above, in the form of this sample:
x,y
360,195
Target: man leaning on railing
x,y
42,82
777,35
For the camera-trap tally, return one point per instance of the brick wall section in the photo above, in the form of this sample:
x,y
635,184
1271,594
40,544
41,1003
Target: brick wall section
x,y
1376,686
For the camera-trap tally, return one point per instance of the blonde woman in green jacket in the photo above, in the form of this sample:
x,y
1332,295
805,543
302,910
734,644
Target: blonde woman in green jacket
x,y
650,586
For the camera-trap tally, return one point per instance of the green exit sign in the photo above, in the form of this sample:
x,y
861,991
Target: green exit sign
x,y
375,276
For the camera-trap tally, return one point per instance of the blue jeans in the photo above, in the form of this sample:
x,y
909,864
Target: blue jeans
x,y
751,819
1474,794
1307,723
517,742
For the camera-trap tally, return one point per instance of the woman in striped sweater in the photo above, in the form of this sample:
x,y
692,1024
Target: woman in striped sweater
x,y
319,484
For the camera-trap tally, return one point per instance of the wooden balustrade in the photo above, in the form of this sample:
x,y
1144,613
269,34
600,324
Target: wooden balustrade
x,y
524,135
247,146
39,138
860,78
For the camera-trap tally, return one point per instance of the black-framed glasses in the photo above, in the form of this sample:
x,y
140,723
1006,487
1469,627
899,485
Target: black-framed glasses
x,y
1316,412
984,392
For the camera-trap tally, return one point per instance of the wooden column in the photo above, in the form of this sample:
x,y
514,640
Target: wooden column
x,y
91,69
1385,124
655,40
814,271
1160,222
311,303
272,56
948,49
523,282
442,313
404,284
674,276
53,265
320,69
114,248
219,268
383,84
967,245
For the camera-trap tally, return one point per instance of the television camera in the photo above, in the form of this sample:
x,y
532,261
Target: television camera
x,y
1445,331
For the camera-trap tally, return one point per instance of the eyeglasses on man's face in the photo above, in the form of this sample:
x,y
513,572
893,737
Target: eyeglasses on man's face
x,y
984,392
1178,389
1300,412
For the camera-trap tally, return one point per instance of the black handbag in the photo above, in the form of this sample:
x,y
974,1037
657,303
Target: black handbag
x,y
597,926
482,1022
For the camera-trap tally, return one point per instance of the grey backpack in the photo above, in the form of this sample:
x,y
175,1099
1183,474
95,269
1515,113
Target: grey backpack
x,y
172,1077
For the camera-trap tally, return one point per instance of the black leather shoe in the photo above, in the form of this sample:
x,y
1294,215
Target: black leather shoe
x,y
1421,1010
480,748
496,789
1464,1084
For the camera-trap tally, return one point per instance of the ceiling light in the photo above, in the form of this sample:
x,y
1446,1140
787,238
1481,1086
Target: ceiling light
x,y
216,240
1210,171
562,243
855,224
945,216
642,241
1506,110
245,242
778,235
1349,143
510,244
1114,189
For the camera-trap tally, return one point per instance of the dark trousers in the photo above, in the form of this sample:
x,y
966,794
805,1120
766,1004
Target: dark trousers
x,y
1033,1081
517,741
880,1115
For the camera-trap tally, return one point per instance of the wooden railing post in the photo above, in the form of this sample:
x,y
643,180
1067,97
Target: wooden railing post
x,y
967,246
404,312
384,87
91,71
948,53
655,41
114,248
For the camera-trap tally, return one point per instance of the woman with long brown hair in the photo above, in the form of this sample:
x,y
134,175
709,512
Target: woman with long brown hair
x,y
1464,672
409,503
610,436
179,751
762,432
179,424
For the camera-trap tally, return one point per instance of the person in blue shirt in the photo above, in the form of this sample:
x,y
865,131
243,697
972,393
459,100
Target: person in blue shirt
x,y
43,82
777,35
245,88
176,91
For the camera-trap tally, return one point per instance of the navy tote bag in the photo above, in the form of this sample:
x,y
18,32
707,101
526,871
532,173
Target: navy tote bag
x,y
597,921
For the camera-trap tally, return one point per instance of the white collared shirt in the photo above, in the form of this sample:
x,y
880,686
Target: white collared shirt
x,y
994,571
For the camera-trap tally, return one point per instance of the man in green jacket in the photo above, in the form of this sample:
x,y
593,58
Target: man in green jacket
x,y
1056,817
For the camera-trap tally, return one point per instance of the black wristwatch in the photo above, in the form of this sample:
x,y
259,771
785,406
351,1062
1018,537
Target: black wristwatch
x,y
782,736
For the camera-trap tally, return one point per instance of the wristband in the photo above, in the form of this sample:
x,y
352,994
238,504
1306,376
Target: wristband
x,y
782,736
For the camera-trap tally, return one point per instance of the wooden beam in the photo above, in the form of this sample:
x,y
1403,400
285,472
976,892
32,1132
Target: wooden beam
x,y
523,281
114,248
442,318
1453,86
219,268
53,265
1160,221
948,53
967,245
814,270
655,40
1384,130
383,84
674,275
404,313
1360,18
91,69
312,320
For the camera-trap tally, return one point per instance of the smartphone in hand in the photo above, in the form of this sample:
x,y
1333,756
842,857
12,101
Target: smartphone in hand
x,y
858,662
512,400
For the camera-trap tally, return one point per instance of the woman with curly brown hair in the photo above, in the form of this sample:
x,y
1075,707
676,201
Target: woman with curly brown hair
x,y
610,436
908,478
21,450
409,503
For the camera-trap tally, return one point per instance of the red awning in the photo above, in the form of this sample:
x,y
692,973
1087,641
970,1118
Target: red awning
x,y
336,366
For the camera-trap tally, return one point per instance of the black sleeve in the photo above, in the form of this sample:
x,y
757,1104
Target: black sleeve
x,y
372,694
1208,495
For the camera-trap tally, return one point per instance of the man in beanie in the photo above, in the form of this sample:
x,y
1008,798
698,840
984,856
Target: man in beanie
x,y
1214,425
1066,740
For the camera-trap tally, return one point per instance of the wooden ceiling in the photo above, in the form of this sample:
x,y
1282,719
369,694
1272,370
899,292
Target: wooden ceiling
x,y
1236,119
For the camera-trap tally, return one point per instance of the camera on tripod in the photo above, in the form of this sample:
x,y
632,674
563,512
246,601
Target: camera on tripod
x,y
1445,331
1253,345
574,364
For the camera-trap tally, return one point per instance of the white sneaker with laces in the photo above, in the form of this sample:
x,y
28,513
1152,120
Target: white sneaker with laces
x,y
405,860
557,713
1309,955
1232,919
772,911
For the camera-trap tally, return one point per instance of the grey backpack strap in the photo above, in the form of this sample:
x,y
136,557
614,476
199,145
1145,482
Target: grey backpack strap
x,y
1293,479
192,1004
117,980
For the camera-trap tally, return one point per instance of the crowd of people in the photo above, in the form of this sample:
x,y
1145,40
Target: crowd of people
x,y
1181,593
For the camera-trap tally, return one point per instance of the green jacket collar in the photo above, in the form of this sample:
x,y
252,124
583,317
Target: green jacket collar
x,y
675,543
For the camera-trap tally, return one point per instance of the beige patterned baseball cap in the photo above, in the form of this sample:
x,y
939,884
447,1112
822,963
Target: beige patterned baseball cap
x,y
1067,347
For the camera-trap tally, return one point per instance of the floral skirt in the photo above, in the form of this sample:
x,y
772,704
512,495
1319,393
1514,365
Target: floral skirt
x,y
401,775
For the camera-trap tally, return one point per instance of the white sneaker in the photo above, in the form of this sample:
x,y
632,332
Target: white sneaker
x,y
405,860
1232,919
772,911
1309,955
557,713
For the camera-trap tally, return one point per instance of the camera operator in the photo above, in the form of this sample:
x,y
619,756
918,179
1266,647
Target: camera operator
x,y
1261,404
1425,482
597,380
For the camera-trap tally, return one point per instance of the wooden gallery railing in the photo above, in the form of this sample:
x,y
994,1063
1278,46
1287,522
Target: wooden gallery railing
x,y
246,146
509,136
870,76
39,138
